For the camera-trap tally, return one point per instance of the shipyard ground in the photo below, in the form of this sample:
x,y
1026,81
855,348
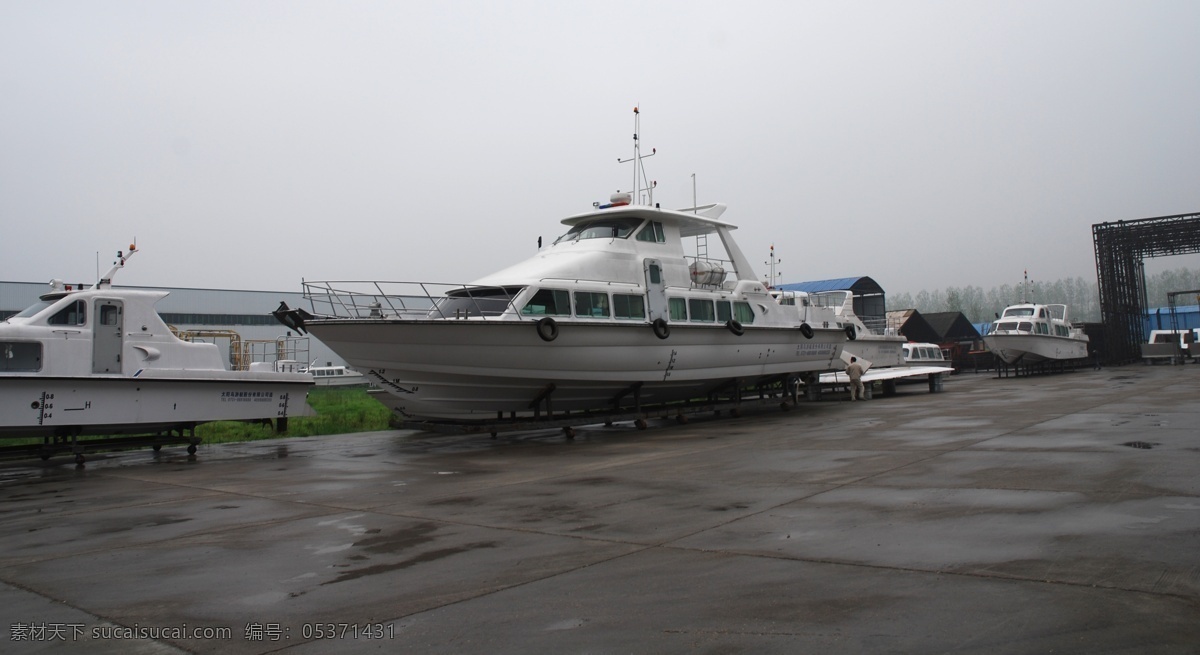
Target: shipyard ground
x,y
1000,516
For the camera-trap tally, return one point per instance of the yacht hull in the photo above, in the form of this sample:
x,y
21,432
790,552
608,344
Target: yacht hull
x,y
33,405
1035,348
479,369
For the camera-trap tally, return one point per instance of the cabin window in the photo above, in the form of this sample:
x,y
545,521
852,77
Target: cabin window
x,y
591,305
655,274
1024,326
109,315
548,302
628,306
1042,328
602,228
724,311
73,314
1018,311
701,310
652,233
743,313
678,309
20,356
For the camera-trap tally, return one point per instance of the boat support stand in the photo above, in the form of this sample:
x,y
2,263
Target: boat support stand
x,y
725,395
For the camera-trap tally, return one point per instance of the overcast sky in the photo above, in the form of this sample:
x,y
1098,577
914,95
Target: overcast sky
x,y
249,145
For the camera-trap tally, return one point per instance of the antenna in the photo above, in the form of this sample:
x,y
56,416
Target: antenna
x,y
122,257
772,261
639,170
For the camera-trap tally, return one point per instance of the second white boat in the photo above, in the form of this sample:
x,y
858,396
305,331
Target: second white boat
x,y
1029,333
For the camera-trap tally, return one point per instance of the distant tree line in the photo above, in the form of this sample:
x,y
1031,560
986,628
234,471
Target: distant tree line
x,y
1081,296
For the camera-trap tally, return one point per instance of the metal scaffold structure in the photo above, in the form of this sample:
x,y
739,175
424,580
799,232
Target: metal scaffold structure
x,y
1121,249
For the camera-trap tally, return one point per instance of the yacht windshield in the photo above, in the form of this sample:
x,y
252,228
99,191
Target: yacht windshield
x,y
1018,311
479,301
35,308
601,228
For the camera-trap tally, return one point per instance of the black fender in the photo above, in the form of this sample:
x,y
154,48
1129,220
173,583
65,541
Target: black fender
x,y
806,330
661,329
735,327
547,328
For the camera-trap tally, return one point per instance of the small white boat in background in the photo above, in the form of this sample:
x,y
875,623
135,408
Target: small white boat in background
x,y
924,354
337,376
100,360
1030,333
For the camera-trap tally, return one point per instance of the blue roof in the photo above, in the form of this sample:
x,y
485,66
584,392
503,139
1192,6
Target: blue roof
x,y
1179,309
839,284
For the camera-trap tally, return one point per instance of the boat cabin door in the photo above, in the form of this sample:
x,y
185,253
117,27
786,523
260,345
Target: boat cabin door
x,y
106,336
656,290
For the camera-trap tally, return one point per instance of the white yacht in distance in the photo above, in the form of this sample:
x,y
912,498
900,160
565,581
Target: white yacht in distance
x,y
100,360
612,314
1029,333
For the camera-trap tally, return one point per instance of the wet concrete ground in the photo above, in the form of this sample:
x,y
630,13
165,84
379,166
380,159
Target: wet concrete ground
x,y
1001,516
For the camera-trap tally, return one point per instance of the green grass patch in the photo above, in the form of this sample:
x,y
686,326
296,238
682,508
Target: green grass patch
x,y
339,411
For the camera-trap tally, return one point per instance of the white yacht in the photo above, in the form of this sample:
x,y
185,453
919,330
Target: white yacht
x,y
1029,333
612,314
100,360
877,346
882,352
